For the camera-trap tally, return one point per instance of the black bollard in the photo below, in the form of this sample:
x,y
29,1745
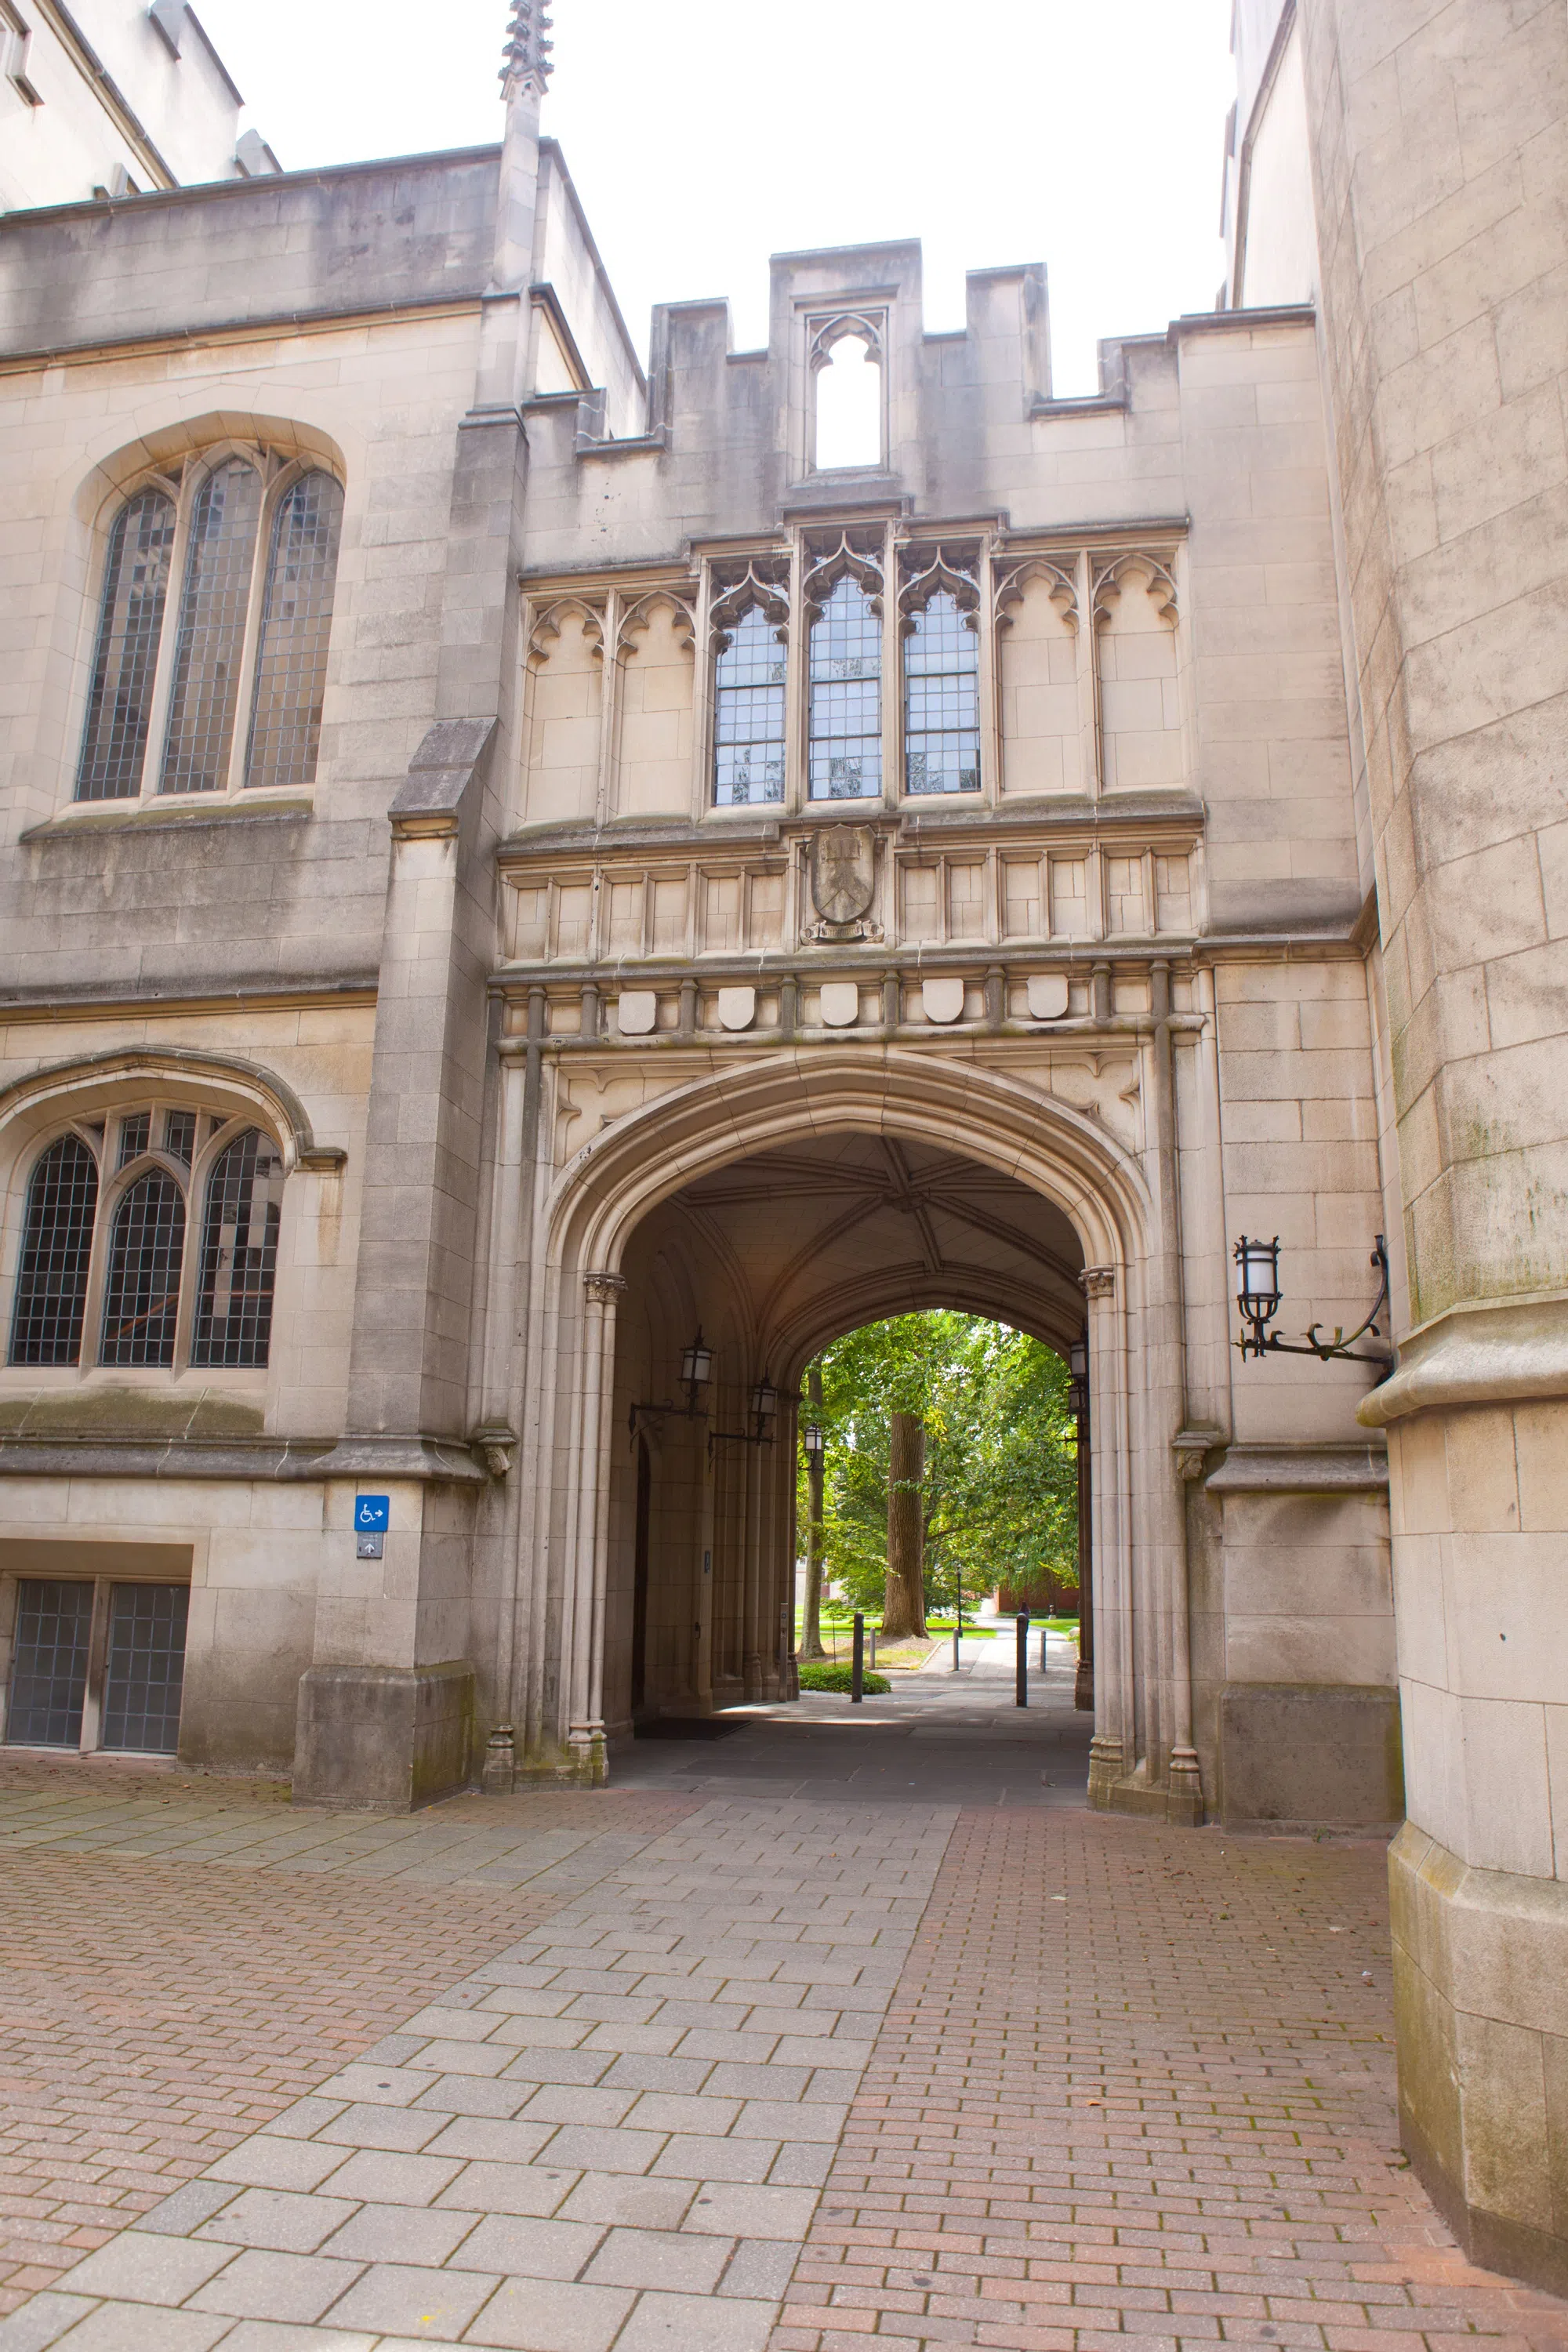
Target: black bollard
x,y
1022,1697
857,1672
1043,1649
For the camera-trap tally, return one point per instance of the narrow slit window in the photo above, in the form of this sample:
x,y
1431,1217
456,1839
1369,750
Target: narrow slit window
x,y
141,1297
749,714
296,622
942,700
56,1248
849,407
211,640
239,1253
847,696
119,709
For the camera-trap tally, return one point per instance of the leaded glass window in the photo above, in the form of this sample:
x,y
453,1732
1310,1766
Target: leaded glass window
x,y
749,714
48,1662
141,1297
239,1253
297,620
57,1249
144,1668
130,621
942,700
845,750
211,641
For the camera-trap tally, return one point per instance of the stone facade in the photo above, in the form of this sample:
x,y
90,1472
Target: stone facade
x,y
709,898
1435,149
111,101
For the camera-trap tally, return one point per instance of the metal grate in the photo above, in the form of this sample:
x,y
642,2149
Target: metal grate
x,y
212,630
239,1253
749,714
297,620
141,1298
56,1246
48,1670
135,585
145,1668
942,700
845,697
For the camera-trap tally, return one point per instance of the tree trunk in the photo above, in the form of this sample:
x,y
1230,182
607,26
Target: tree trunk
x,y
904,1604
811,1617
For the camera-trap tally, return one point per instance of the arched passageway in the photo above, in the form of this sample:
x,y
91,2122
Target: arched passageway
x,y
771,1209
769,1257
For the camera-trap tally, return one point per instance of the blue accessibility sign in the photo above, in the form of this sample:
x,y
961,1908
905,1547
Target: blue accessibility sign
x,y
372,1514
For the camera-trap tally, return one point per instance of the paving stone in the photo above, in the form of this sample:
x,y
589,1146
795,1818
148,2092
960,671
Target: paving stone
x,y
275,2286
404,2297
144,2327
392,2233
692,2156
139,2267
285,2220
659,2258
543,2316
687,2322
597,2150
502,2142
729,2210
610,2198
509,2188
532,2249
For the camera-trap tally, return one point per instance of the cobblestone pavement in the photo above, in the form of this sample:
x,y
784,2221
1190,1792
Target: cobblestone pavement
x,y
1068,2080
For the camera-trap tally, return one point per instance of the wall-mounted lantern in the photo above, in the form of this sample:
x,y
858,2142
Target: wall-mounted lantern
x,y
815,1441
1258,1297
696,1371
1077,1382
765,1405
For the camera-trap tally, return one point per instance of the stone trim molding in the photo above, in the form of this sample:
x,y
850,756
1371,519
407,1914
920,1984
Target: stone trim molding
x,y
1476,1355
1310,1469
237,1459
177,1064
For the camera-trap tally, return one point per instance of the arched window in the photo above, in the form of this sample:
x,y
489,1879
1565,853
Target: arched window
x,y
297,619
239,625
941,700
749,713
846,696
239,1253
850,406
57,1249
207,650
135,586
142,1296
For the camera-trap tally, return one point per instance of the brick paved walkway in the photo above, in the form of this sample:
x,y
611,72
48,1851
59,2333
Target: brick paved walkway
x,y
1069,2081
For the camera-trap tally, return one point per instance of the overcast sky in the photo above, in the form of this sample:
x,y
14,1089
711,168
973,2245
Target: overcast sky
x,y
707,135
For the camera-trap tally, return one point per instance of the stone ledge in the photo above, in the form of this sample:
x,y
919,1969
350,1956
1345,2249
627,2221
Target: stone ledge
x,y
1476,1355
1315,1469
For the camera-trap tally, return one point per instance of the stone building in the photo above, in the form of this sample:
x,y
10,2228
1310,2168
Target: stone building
x,y
113,101
536,894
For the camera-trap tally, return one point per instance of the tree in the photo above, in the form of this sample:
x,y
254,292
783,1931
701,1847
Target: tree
x,y
904,1599
999,1494
811,1625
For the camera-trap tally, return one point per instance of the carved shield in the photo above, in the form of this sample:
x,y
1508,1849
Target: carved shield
x,y
843,872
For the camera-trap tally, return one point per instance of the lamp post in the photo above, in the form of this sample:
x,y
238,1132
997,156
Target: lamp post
x,y
813,1442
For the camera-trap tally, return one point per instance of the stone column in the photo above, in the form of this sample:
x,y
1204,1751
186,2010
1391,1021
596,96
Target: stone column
x,y
1112,1749
1442,200
583,1635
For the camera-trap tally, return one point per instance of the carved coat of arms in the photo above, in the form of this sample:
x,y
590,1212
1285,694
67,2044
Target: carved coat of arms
x,y
843,873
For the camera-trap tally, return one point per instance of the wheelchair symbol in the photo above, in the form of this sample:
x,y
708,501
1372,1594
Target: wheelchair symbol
x,y
372,1514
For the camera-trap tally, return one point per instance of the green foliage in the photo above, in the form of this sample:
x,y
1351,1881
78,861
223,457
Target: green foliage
x,y
822,1674
1001,1484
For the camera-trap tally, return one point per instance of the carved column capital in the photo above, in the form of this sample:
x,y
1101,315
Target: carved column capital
x,y
1098,1282
603,1289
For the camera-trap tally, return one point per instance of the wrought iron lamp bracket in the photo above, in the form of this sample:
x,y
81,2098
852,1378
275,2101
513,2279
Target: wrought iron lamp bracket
x,y
1258,1312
